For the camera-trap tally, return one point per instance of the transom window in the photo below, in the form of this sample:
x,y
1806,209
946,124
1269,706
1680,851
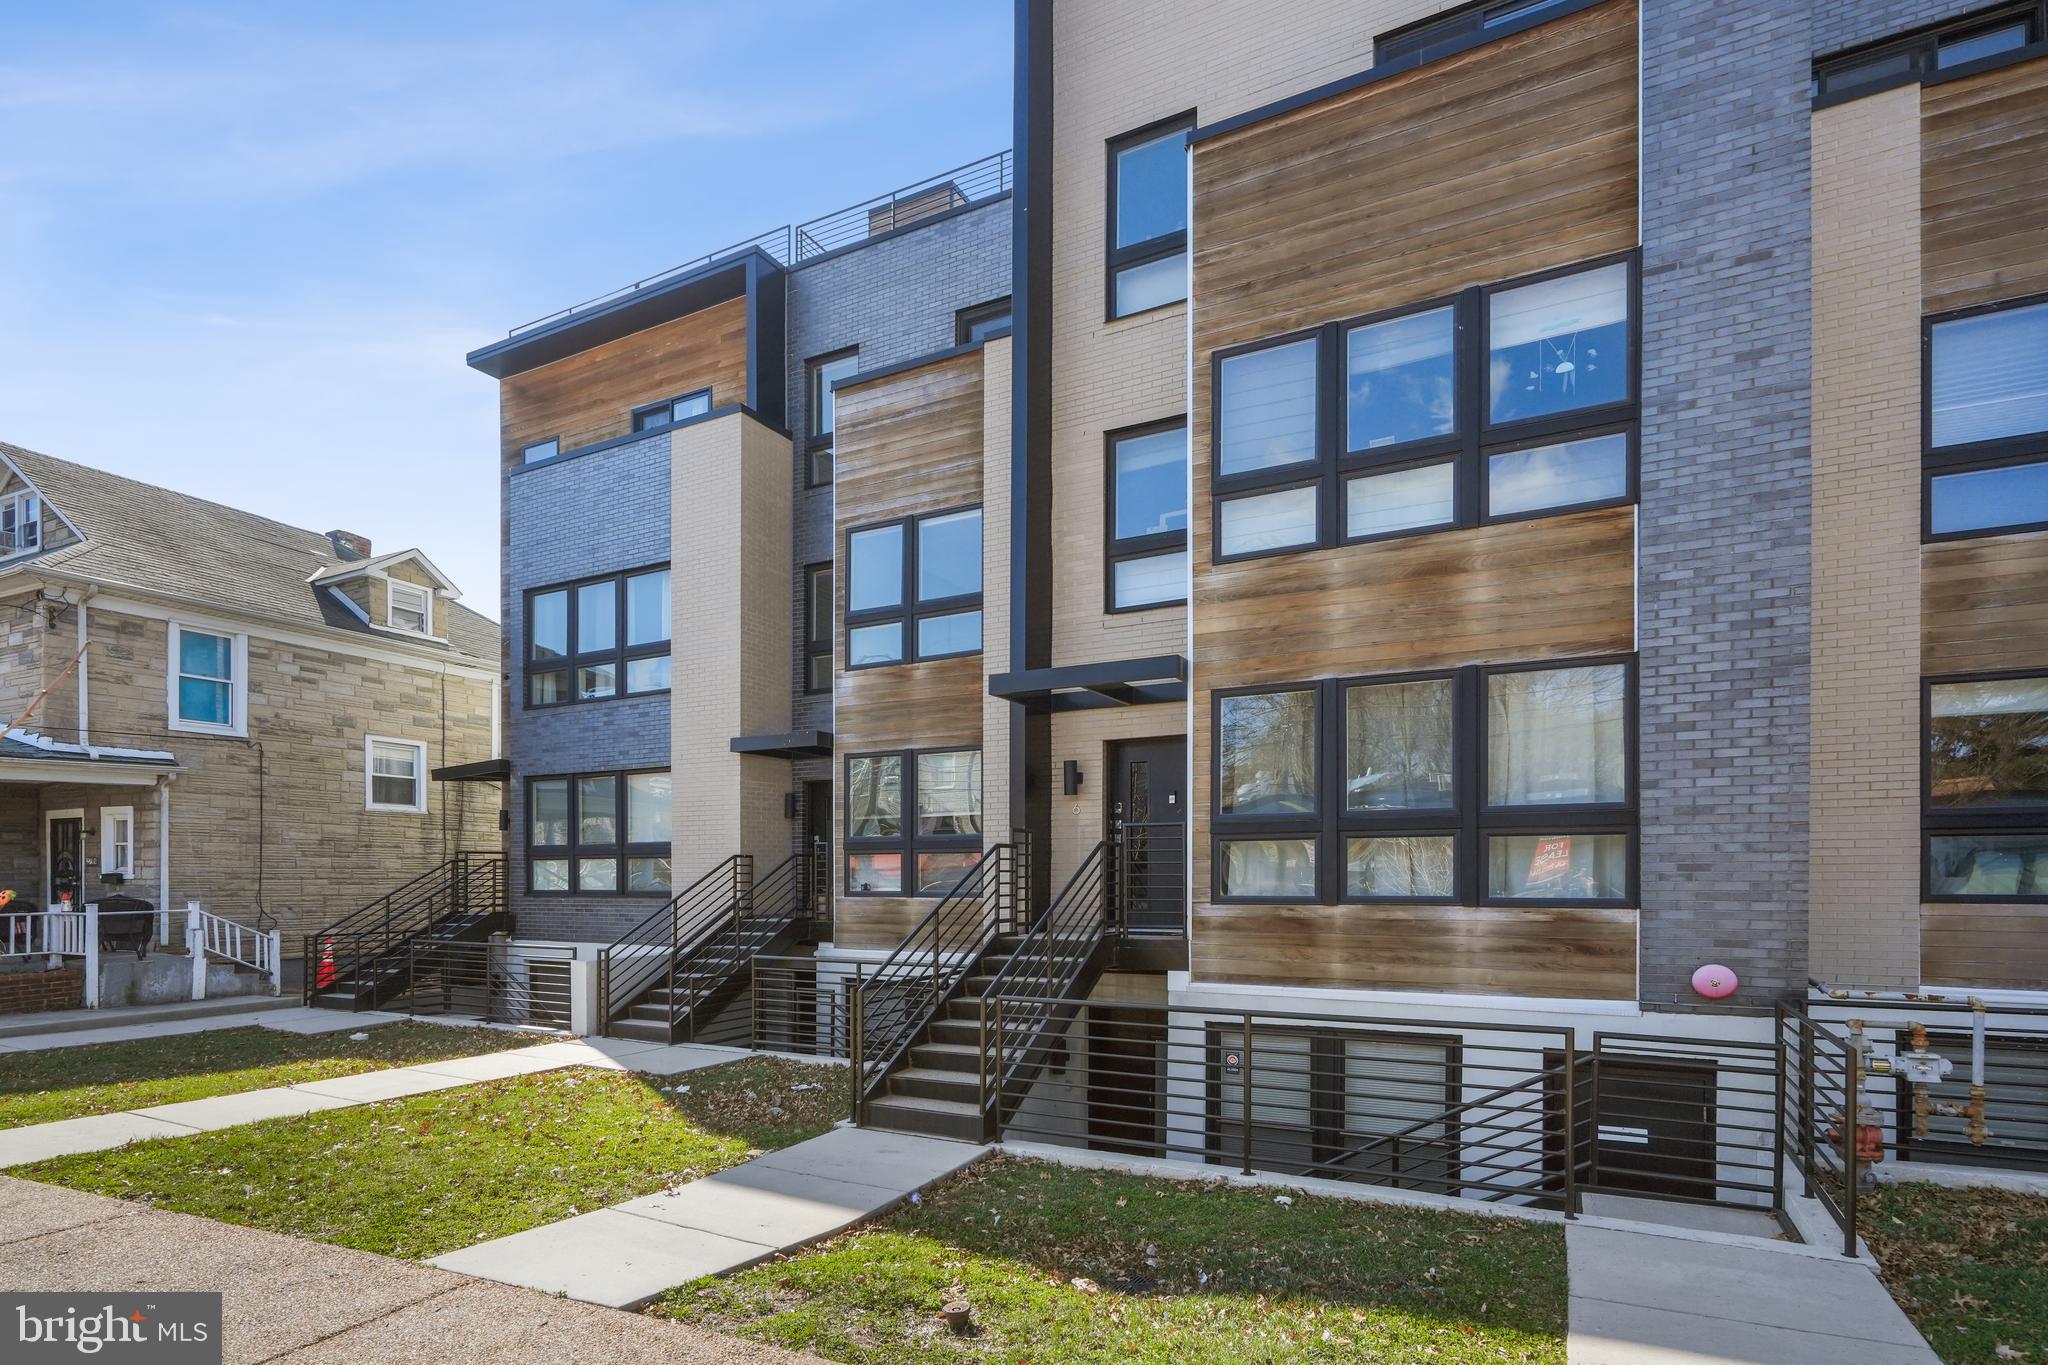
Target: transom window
x,y
1999,32
599,834
1987,420
1507,401
394,774
1504,785
1148,515
21,524
821,374
669,411
818,628
913,589
1986,791
1148,217
972,326
540,450
913,821
409,607
603,638
208,692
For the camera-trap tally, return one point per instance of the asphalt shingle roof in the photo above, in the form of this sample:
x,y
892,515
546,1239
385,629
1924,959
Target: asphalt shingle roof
x,y
148,538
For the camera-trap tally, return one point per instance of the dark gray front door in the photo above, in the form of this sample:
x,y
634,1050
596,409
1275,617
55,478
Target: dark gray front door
x,y
1148,820
64,864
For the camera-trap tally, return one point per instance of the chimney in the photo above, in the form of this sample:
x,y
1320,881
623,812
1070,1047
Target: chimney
x,y
349,545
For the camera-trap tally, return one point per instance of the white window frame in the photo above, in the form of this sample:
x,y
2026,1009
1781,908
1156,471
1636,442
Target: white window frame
x,y
391,590
419,780
109,864
238,686
28,511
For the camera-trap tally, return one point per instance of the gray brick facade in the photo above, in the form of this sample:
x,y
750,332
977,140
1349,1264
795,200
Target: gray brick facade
x,y
592,514
1724,577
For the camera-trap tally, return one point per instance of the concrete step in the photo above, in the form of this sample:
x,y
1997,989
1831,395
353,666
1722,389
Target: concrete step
x,y
917,1082
641,1029
928,1118
959,1032
954,1057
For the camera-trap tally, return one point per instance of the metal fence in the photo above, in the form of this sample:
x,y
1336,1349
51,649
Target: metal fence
x,y
1151,878
793,243
795,1009
500,983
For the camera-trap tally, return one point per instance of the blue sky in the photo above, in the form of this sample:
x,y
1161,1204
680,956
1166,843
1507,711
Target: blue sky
x,y
244,247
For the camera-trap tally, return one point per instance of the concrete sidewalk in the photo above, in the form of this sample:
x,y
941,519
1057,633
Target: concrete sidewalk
x,y
1646,1297
99,1132
624,1255
306,1302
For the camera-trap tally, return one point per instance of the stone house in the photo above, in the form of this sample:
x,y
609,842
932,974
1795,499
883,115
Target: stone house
x,y
205,705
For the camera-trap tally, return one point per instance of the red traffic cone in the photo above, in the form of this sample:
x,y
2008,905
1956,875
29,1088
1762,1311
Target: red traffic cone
x,y
324,977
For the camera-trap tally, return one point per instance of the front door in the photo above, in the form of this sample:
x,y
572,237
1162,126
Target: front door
x,y
64,866
817,835
1148,815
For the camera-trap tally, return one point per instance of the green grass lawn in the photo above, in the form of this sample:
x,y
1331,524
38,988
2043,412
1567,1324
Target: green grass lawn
x,y
1064,1265
420,1176
104,1078
1970,1267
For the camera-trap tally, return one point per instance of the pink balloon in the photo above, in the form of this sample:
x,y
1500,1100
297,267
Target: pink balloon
x,y
1714,981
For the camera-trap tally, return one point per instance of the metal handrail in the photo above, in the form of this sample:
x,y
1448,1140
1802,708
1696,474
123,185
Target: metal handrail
x,y
361,941
1050,960
623,976
925,954
729,942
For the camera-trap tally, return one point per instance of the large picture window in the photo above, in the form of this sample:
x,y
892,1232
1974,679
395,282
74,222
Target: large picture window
x,y
1148,217
1147,520
599,834
1501,785
1506,401
913,589
598,639
1986,788
1986,424
913,821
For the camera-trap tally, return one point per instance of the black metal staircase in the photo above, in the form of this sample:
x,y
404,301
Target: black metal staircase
x,y
670,977
361,960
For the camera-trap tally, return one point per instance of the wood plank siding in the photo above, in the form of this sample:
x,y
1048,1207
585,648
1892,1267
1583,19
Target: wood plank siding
x,y
1516,157
1983,193
1986,946
905,444
590,396
1984,604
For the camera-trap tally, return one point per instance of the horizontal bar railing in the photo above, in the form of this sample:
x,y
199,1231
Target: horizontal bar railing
x,y
360,951
1479,1114
1685,1120
714,961
893,1002
496,982
1881,1081
790,244
796,1008
1050,962
644,956
1151,878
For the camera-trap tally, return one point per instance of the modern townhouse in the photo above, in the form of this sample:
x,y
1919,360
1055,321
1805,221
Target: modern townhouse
x,y
206,705
1489,544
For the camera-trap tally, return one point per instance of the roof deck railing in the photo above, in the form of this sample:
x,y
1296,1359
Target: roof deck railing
x,y
795,243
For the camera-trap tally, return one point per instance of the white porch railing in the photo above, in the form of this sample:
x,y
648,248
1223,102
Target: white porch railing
x,y
209,936
60,934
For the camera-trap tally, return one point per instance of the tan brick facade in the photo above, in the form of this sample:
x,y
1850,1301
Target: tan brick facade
x,y
1865,860
275,820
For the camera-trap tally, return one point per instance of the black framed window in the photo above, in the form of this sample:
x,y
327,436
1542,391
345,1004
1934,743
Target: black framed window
x,y
913,821
913,589
1146,515
1510,784
1985,423
1148,217
540,450
1465,26
1972,42
818,628
598,639
1510,400
599,834
1985,787
979,323
669,411
820,374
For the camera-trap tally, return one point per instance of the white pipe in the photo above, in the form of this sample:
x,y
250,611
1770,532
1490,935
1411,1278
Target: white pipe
x,y
84,708
163,842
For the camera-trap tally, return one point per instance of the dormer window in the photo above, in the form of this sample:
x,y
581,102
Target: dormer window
x,y
21,526
411,608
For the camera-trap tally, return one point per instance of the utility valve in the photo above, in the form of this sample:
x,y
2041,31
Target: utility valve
x,y
1919,1067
